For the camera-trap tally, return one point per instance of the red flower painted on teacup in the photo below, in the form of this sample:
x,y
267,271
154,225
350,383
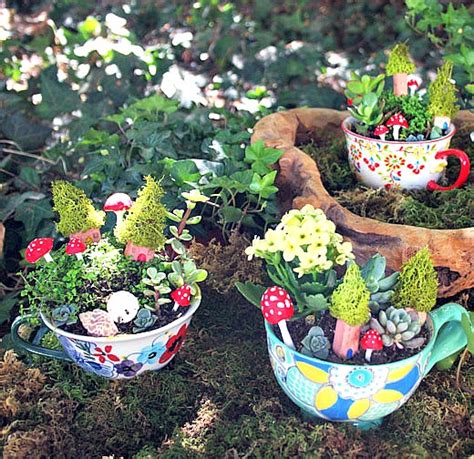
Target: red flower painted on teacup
x,y
394,161
174,344
416,168
371,163
106,353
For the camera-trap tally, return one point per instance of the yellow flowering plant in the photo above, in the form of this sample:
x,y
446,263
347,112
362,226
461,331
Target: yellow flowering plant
x,y
301,254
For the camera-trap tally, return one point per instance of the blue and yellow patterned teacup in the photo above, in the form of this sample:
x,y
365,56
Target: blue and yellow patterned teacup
x,y
363,395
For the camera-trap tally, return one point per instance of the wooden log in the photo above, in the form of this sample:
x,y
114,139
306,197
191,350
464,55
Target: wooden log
x,y
300,183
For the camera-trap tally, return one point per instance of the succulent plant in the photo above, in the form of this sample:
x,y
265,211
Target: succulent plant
x,y
64,315
144,320
315,344
398,327
381,288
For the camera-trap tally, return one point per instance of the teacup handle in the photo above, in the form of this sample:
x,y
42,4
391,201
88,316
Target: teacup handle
x,y
463,173
448,333
31,347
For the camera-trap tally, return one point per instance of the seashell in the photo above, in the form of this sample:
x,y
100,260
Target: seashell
x,y
98,323
122,307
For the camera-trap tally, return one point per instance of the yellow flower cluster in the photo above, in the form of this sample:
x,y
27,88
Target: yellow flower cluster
x,y
305,238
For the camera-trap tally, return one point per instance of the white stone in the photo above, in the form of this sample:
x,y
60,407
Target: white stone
x,y
122,307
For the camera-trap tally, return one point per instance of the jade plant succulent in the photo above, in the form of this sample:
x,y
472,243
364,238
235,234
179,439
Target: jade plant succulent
x,y
380,286
398,327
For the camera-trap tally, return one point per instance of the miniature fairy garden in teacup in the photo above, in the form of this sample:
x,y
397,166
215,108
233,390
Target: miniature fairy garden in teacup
x,y
398,152
347,342
98,292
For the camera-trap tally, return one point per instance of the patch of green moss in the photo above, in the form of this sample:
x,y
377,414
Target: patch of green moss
x,y
75,209
442,93
399,60
417,285
144,224
350,300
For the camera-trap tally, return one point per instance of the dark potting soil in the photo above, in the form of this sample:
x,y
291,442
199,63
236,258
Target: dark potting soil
x,y
299,329
436,210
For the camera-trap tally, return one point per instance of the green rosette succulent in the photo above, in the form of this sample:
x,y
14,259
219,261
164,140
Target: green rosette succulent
x,y
398,327
315,344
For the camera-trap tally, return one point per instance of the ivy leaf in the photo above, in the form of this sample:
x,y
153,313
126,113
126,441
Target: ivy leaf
x,y
231,214
57,97
260,157
27,133
13,201
31,214
184,171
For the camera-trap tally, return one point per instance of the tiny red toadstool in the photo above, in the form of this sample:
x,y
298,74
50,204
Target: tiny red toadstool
x,y
397,121
413,85
381,131
181,296
75,247
38,248
371,341
118,203
277,307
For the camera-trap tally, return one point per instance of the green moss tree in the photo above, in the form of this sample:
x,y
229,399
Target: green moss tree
x,y
399,65
76,211
442,94
350,300
417,286
145,222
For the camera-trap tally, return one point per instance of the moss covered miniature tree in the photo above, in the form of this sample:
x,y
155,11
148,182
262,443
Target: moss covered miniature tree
x,y
143,228
442,97
350,306
417,286
399,66
77,216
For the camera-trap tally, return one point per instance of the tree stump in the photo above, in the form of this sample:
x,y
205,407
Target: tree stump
x,y
300,183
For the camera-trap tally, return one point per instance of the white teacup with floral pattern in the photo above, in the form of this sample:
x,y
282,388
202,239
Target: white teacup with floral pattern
x,y
402,165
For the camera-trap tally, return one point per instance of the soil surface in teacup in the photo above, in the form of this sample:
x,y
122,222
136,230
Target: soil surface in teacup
x,y
299,329
435,210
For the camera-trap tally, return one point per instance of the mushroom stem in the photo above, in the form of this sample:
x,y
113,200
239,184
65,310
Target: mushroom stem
x,y
400,84
285,334
396,130
382,136
48,258
119,214
79,256
368,354
175,307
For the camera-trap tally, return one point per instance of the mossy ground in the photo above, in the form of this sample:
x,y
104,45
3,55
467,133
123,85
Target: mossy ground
x,y
436,210
218,398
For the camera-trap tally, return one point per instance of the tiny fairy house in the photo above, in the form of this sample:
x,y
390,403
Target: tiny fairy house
x,y
120,305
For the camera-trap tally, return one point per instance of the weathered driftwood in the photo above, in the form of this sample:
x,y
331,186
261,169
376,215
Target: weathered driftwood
x,y
300,183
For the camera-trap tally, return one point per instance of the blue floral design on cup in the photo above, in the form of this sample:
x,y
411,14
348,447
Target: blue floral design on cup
x,y
150,354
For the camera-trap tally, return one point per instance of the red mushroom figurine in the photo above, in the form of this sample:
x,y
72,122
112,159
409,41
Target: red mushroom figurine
x,y
118,203
397,121
181,296
277,307
75,247
413,85
381,131
371,341
39,248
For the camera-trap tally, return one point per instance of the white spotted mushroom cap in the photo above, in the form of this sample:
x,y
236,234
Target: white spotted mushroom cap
x,y
38,248
371,341
276,305
182,295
